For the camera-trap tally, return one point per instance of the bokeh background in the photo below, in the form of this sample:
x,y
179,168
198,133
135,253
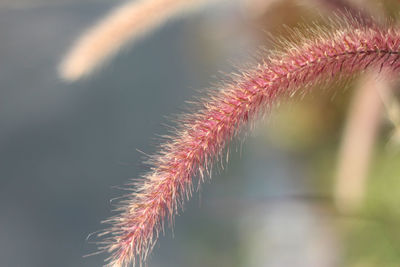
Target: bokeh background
x,y
65,148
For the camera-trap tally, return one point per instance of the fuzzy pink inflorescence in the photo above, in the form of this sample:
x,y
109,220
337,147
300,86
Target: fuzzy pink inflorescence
x,y
201,136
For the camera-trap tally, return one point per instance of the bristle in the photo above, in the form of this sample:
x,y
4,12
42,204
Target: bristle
x,y
201,136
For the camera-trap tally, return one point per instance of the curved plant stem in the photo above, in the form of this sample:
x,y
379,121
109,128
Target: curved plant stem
x,y
358,142
202,135
123,24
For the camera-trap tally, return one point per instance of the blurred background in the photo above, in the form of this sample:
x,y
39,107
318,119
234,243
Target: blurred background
x,y
298,192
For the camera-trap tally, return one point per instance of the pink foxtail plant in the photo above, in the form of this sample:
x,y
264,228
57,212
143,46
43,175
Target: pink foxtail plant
x,y
201,137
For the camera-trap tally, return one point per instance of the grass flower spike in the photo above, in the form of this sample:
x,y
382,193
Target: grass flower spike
x,y
126,23
201,137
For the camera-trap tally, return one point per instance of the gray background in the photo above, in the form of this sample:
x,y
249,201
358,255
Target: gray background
x,y
64,146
